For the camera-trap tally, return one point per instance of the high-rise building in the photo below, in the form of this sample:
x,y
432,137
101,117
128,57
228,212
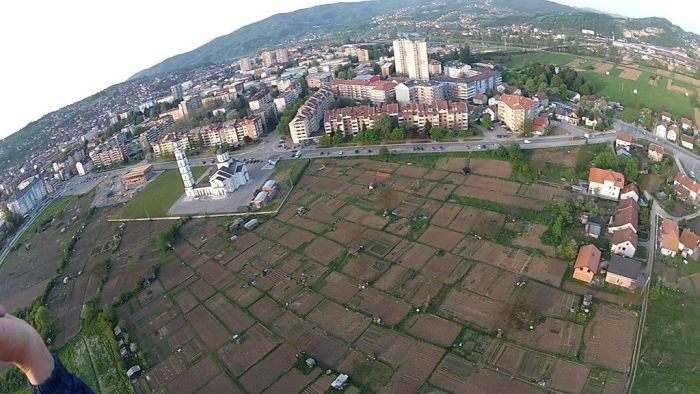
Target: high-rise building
x,y
245,64
282,55
267,58
411,57
176,92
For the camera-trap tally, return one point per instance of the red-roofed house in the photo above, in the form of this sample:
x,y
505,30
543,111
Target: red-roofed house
x,y
672,133
515,111
665,116
623,141
539,125
670,243
685,187
624,243
655,152
480,99
630,191
587,263
686,124
687,141
626,217
689,243
605,183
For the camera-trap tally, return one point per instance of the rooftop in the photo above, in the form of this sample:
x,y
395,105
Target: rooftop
x,y
588,257
624,266
599,175
517,102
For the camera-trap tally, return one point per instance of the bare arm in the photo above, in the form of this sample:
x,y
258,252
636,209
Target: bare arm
x,y
21,345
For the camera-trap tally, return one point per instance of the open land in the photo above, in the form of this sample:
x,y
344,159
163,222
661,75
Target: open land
x,y
622,81
403,302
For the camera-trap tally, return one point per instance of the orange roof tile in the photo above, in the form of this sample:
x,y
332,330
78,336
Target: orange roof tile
x,y
517,102
599,175
623,236
669,234
588,257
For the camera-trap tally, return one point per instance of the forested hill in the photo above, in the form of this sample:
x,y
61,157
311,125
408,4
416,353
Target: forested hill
x,y
334,19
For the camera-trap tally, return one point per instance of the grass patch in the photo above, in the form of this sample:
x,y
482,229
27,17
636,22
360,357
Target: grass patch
x,y
518,61
657,98
54,210
671,346
158,196
94,357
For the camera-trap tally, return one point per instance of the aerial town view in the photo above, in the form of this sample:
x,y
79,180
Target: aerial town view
x,y
416,196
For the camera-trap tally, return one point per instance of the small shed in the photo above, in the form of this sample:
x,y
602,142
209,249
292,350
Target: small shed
x,y
340,381
252,224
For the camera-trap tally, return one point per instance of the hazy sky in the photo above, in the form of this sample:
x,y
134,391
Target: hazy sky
x,y
58,52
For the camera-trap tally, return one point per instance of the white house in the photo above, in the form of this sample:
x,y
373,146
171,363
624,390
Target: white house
x,y
624,243
605,183
623,141
687,141
630,191
672,133
665,117
660,130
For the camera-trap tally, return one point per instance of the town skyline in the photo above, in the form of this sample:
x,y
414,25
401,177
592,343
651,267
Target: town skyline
x,y
92,55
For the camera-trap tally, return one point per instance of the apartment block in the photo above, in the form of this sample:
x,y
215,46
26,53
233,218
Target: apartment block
x,y
104,155
268,58
362,55
282,55
515,111
309,118
245,65
420,92
411,57
442,114
378,92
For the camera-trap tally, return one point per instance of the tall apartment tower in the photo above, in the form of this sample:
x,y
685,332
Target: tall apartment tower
x,y
245,64
411,57
267,59
282,55
184,166
176,91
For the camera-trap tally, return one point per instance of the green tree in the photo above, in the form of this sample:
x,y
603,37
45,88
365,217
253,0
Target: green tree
x,y
647,121
383,125
567,250
428,127
486,121
336,139
366,137
325,140
631,168
166,237
605,159
437,134
398,134
515,153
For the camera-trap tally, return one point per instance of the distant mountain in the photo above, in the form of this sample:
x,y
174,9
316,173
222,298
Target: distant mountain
x,y
324,19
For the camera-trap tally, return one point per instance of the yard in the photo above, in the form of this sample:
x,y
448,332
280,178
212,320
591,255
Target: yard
x,y
94,357
158,196
618,88
671,348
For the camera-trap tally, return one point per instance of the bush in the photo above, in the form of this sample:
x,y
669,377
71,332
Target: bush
x,y
167,236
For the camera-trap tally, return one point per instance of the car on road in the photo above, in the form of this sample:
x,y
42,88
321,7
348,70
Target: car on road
x,y
340,152
357,151
369,150
480,146
527,141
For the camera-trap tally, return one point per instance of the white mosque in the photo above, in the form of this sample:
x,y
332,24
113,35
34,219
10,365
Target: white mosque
x,y
230,174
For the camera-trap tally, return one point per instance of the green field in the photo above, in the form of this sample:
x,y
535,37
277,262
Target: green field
x,y
94,357
671,347
657,98
517,61
158,196
56,208
614,88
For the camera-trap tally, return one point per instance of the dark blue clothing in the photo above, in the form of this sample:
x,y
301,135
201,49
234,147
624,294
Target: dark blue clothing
x,y
61,382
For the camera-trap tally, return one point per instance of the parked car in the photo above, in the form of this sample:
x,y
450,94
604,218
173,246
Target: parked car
x,y
527,141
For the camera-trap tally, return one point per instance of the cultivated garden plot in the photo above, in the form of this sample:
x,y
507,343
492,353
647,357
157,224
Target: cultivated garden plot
x,y
403,285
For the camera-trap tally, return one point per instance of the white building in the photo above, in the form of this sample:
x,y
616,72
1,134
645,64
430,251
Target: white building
x,y
411,57
83,167
605,183
230,174
309,118
31,192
